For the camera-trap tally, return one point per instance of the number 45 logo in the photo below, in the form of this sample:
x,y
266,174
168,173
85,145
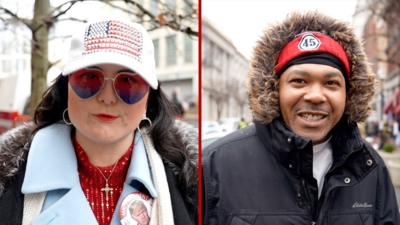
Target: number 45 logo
x,y
309,42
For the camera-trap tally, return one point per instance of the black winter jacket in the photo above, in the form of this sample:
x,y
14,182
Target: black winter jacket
x,y
263,175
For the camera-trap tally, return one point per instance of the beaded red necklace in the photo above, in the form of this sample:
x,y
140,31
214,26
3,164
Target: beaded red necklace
x,y
102,186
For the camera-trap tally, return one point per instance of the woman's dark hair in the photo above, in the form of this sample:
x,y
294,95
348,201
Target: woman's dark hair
x,y
165,135
54,102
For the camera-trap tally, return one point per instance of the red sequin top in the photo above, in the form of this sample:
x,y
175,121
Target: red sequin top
x,y
92,183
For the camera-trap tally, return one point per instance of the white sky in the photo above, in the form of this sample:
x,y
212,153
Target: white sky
x,y
243,21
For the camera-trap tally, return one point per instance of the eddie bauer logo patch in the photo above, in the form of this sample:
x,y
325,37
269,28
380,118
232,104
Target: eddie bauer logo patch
x,y
309,42
362,205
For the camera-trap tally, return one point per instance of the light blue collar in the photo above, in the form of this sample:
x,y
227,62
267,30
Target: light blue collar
x,y
52,163
139,168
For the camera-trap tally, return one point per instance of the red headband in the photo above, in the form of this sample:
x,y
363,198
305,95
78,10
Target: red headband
x,y
311,42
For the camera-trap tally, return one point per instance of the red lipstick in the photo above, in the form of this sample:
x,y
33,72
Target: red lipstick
x,y
106,117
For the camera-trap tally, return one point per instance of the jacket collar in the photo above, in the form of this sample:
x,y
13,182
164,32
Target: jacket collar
x,y
52,163
346,139
296,153
15,145
282,142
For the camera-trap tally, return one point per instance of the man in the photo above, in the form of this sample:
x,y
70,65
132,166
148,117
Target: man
x,y
179,110
242,123
303,162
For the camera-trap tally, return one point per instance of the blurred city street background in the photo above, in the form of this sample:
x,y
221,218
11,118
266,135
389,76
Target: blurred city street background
x,y
228,39
36,38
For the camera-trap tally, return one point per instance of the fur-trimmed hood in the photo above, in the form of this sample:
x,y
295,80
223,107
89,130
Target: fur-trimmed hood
x,y
263,83
15,144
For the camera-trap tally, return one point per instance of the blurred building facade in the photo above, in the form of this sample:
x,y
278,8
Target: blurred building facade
x,y
176,55
224,71
176,52
15,66
378,22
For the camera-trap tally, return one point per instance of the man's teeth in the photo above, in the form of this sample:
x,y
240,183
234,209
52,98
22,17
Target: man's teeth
x,y
314,117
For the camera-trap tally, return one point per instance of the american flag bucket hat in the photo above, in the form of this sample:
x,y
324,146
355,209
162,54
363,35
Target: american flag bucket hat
x,y
113,42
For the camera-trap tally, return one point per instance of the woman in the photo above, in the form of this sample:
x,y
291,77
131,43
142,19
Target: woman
x,y
102,133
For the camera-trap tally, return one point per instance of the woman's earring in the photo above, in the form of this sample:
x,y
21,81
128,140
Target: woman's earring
x,y
145,118
68,122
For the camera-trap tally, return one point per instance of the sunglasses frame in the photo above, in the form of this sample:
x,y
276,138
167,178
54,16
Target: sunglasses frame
x,y
105,79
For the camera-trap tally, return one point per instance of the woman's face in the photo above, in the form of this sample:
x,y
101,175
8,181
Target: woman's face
x,y
105,118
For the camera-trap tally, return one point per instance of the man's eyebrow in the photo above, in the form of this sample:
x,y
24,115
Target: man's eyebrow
x,y
333,74
307,74
299,72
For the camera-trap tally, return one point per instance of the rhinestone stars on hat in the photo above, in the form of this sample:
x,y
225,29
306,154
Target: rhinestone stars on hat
x,y
114,36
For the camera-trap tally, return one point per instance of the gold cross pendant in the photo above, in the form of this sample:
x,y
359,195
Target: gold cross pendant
x,y
107,189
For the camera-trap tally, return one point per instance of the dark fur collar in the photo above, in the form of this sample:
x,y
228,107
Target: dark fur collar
x,y
14,146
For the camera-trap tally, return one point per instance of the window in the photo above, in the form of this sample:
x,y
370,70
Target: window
x,y
171,50
156,44
25,65
26,47
154,7
188,49
6,64
18,65
188,4
171,4
6,48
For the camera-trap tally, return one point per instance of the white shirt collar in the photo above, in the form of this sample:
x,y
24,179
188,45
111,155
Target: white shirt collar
x,y
317,148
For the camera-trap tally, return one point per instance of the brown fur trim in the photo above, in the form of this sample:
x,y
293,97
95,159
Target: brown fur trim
x,y
263,83
14,146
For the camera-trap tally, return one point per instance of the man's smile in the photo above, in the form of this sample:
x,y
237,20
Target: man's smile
x,y
312,116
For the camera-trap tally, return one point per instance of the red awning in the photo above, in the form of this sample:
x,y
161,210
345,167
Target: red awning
x,y
390,107
393,106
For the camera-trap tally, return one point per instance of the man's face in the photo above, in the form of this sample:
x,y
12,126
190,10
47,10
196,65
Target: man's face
x,y
312,99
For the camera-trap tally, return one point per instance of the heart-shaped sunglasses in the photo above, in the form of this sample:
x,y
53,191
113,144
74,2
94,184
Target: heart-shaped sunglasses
x,y
130,87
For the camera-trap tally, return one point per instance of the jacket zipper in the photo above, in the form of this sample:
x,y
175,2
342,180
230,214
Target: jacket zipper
x,y
312,209
323,200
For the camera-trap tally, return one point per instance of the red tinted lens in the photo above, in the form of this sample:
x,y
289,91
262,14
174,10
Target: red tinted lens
x,y
86,82
130,87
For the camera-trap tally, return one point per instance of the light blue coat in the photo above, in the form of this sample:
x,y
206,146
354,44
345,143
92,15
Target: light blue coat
x,y
52,168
